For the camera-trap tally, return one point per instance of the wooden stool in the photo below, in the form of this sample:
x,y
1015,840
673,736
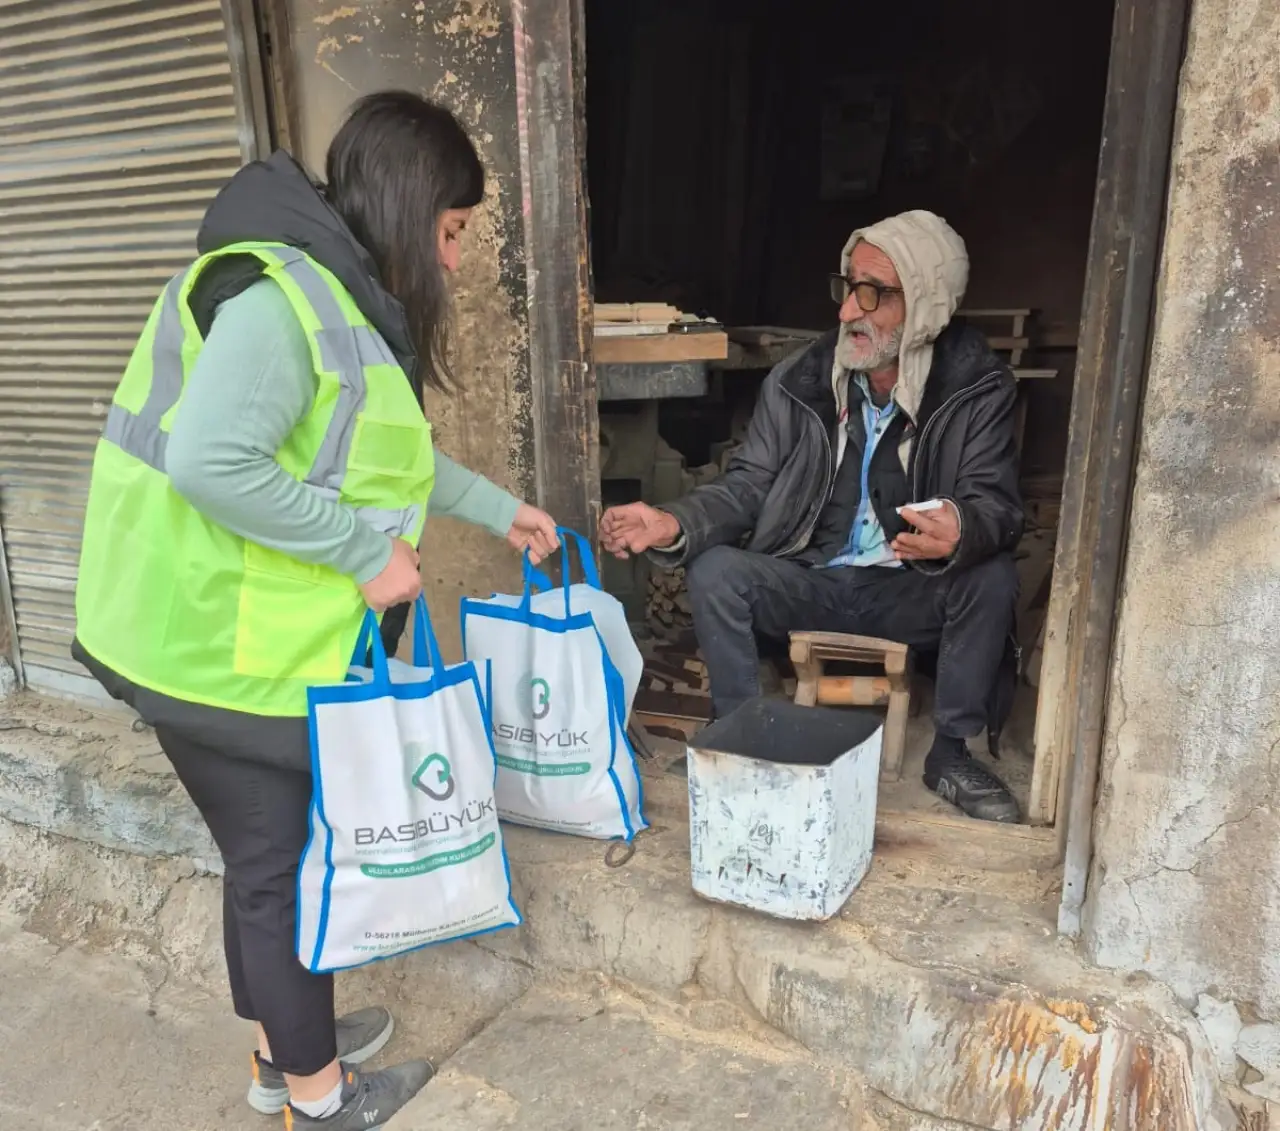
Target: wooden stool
x,y
810,651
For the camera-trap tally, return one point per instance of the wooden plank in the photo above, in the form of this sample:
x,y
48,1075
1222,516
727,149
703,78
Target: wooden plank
x,y
992,847
1120,284
674,728
630,329
710,345
839,644
1009,344
635,312
665,667
854,691
696,708
550,78
285,104
894,743
772,335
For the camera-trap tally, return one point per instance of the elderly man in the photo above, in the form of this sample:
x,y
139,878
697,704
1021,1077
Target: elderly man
x,y
810,526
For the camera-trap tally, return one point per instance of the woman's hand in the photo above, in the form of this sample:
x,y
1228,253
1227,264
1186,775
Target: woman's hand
x,y
535,530
399,580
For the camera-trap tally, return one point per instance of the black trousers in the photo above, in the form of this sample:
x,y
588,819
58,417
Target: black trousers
x,y
258,815
966,615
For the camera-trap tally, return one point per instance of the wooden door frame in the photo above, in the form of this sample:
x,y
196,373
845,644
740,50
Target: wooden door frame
x,y
1148,39
550,54
1147,50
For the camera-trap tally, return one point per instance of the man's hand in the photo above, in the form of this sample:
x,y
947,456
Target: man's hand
x,y
535,530
399,580
938,534
637,527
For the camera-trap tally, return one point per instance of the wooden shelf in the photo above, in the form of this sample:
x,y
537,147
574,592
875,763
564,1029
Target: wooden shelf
x,y
708,346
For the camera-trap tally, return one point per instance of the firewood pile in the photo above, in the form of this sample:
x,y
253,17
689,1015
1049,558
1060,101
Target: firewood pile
x,y
668,609
674,700
1042,501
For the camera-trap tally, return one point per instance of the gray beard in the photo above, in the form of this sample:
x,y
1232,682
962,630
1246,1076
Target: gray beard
x,y
884,353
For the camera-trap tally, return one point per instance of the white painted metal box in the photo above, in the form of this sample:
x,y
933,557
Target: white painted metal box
x,y
782,806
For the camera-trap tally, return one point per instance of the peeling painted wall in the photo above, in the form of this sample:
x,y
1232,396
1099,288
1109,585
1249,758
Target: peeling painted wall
x,y
459,52
1186,875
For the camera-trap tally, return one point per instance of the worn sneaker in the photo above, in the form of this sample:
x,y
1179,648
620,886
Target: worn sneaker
x,y
971,788
368,1102
360,1036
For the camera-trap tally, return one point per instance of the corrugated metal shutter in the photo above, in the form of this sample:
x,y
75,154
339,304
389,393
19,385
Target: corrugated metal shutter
x,y
118,123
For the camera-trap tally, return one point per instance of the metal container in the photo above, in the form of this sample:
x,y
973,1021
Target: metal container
x,y
782,806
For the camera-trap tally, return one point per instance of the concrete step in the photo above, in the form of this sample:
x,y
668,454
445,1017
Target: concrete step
x,y
604,1060
941,985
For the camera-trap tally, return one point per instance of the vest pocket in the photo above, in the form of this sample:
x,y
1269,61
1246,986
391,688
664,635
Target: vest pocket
x,y
293,619
389,447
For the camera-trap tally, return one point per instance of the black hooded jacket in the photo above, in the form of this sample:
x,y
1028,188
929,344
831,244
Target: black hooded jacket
x,y
772,496
274,201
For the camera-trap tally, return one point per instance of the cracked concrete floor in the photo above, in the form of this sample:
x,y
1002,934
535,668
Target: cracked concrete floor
x,y
102,1042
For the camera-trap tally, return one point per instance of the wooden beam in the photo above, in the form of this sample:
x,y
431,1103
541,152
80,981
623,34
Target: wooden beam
x,y
649,348
853,691
249,78
1124,254
282,97
550,62
992,847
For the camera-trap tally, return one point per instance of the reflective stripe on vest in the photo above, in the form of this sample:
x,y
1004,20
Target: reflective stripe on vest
x,y
344,350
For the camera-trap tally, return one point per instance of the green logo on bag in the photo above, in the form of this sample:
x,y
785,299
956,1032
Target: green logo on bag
x,y
441,786
541,692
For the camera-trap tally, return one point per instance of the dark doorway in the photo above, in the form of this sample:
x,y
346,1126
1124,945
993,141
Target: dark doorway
x,y
733,146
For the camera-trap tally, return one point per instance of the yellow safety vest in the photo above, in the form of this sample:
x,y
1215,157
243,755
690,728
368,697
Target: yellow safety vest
x,y
180,605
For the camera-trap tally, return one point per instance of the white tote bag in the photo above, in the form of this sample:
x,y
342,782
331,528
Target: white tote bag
x,y
405,847
563,673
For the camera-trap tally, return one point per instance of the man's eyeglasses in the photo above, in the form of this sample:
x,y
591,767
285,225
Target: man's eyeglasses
x,y
869,295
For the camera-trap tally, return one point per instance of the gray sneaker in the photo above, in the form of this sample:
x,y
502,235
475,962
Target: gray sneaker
x,y
368,1102
360,1036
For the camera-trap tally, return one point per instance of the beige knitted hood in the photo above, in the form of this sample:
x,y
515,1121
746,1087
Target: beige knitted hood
x,y
934,268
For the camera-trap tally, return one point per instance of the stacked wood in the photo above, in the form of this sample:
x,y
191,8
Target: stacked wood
x,y
633,319
669,612
674,690
1042,497
653,312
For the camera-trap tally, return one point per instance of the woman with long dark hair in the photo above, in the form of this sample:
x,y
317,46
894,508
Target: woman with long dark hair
x,y
263,477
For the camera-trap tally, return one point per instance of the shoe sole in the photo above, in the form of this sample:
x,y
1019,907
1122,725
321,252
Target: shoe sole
x,y
947,792
273,1101
1007,817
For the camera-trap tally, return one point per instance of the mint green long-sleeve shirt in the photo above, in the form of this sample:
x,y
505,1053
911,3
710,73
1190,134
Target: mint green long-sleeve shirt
x,y
249,388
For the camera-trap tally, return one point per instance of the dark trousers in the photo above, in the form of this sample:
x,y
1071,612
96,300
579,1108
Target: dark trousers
x,y
258,815
965,615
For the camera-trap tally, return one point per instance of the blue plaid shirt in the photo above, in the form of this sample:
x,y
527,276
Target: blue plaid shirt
x,y
867,545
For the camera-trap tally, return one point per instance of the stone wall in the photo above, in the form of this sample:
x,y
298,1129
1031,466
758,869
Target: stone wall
x,y
459,52
1185,883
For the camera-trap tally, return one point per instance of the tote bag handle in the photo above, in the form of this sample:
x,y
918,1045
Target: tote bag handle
x,y
369,644
535,577
426,648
